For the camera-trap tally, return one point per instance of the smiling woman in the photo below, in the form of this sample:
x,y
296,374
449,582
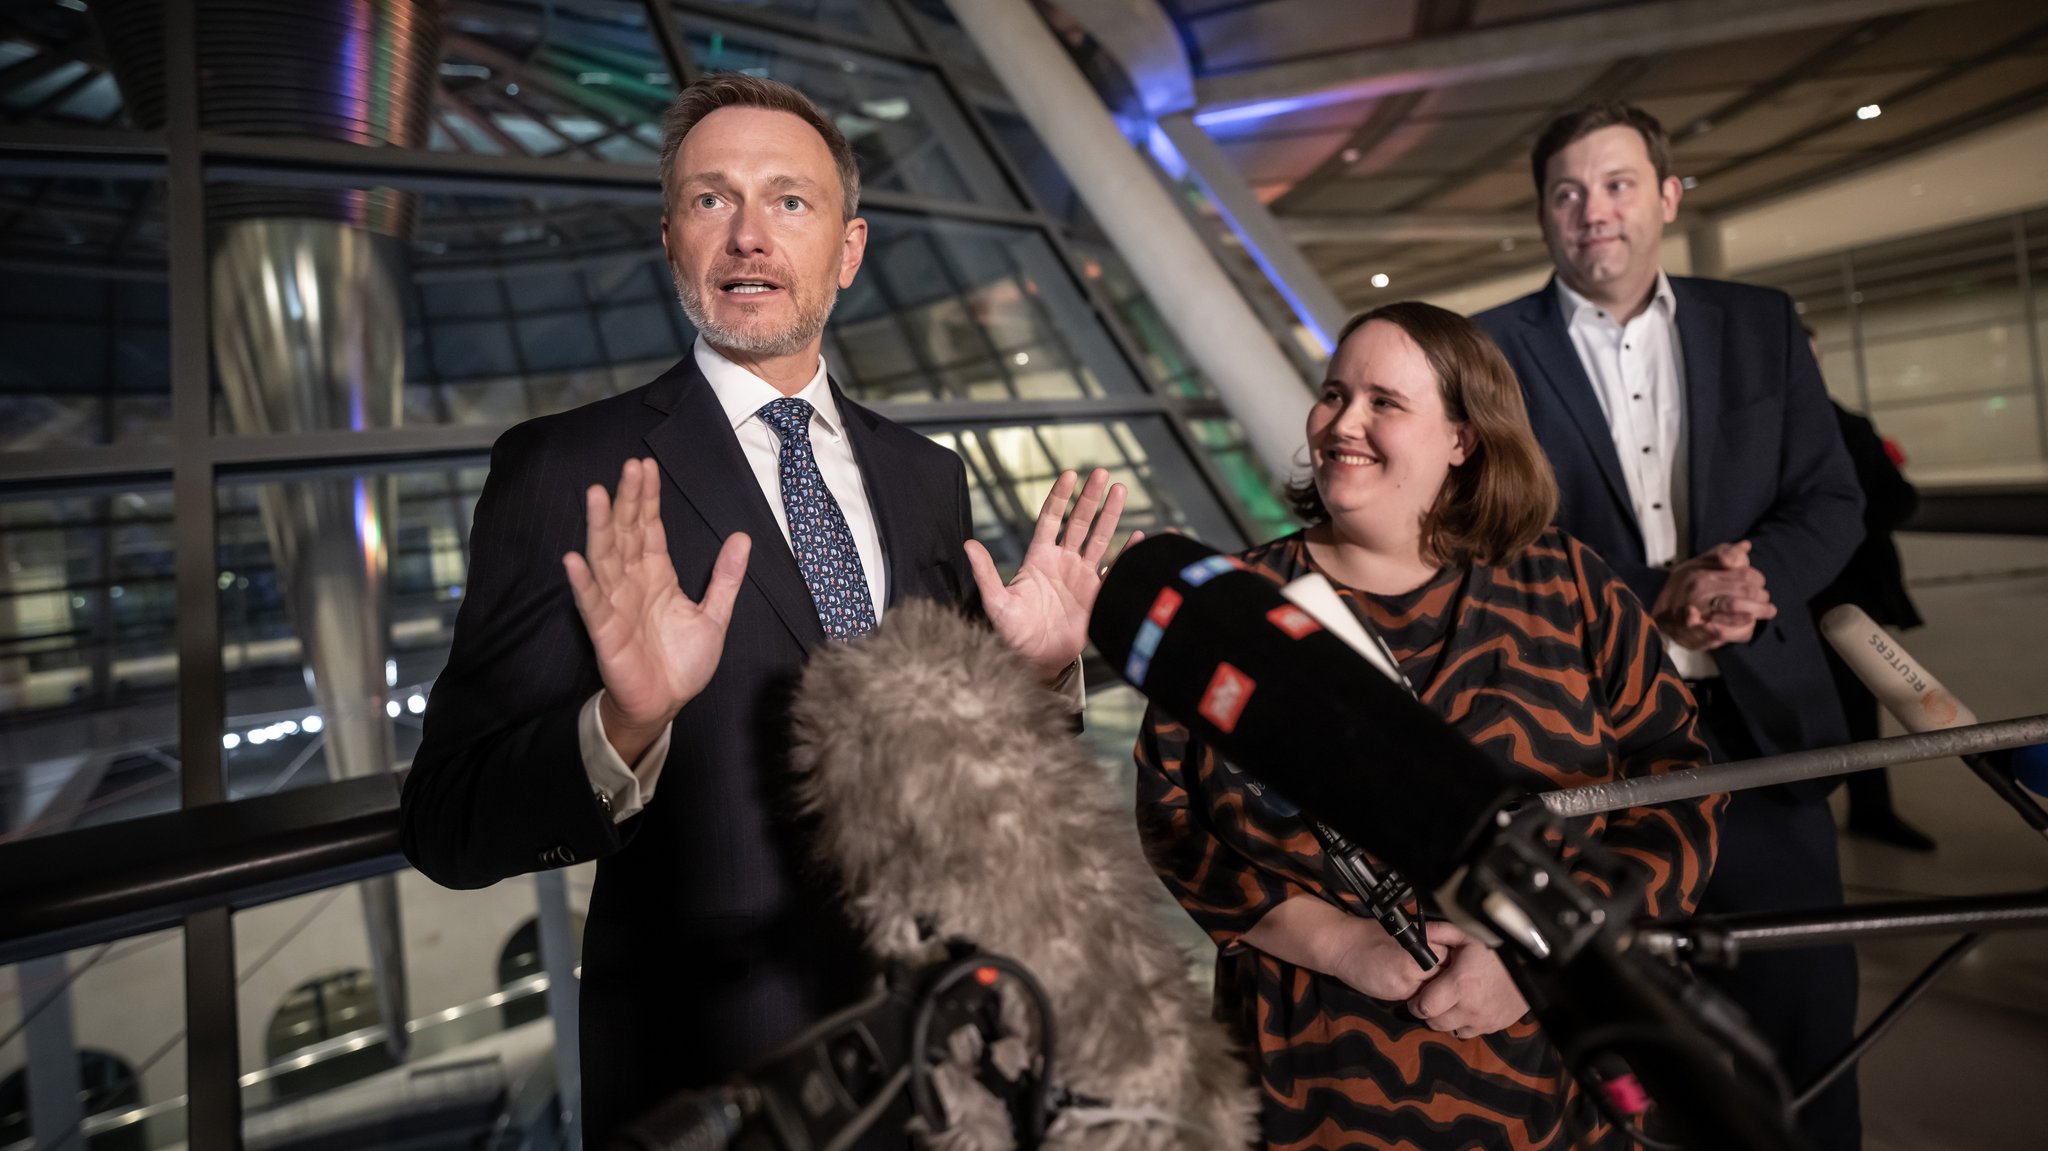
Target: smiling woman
x,y
1429,508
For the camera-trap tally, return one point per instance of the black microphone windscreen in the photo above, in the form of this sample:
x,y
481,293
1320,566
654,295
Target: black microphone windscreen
x,y
1218,648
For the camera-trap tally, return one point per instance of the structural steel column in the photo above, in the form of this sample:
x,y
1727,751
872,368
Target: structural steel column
x,y
1196,297
558,958
1293,276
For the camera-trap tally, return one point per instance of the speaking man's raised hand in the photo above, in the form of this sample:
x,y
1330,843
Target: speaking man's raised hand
x,y
1043,611
656,647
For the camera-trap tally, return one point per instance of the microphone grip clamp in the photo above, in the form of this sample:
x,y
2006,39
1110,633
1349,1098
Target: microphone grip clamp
x,y
1386,895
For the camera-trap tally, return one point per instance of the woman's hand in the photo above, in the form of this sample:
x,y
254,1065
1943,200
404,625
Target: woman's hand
x,y
1371,962
1471,994
1358,952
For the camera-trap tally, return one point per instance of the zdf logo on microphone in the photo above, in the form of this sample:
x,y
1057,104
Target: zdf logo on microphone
x,y
1229,690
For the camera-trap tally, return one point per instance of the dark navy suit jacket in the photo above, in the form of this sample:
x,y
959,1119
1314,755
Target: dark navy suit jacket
x,y
1765,463
712,933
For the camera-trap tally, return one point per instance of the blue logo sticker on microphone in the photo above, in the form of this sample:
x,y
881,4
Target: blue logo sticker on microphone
x,y
1147,642
1202,571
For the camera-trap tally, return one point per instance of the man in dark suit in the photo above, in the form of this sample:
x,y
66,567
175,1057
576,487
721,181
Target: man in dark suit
x,y
579,679
1696,450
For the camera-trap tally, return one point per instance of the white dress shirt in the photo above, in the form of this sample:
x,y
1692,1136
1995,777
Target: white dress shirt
x,y
1638,375
742,395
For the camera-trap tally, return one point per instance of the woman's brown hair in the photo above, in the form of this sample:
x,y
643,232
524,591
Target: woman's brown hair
x,y
1502,497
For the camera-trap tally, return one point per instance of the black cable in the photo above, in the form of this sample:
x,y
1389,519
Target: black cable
x,y
1889,1016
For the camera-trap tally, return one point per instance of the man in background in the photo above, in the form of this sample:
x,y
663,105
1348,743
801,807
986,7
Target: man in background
x,y
1695,449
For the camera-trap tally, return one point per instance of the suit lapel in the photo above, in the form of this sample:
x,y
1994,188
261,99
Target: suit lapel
x,y
1557,362
697,450
892,493
1699,342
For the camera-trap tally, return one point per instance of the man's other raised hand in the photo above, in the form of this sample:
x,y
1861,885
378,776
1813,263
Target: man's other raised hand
x,y
1042,612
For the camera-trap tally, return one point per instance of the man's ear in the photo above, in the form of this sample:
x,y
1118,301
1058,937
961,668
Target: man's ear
x,y
853,248
1671,191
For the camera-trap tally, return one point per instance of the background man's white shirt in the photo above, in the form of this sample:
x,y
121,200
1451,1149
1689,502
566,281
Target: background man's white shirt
x,y
1638,375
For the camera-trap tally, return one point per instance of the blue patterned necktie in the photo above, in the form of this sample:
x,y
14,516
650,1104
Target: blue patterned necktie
x,y
817,529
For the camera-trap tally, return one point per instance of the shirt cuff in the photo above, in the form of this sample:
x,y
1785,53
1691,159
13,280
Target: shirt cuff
x,y
622,790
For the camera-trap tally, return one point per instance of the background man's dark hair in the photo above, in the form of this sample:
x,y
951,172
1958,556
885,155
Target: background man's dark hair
x,y
739,90
1579,123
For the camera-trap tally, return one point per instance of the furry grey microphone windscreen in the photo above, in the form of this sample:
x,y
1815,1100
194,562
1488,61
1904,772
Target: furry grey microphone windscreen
x,y
949,788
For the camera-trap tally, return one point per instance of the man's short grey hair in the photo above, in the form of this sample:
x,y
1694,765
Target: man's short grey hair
x,y
739,90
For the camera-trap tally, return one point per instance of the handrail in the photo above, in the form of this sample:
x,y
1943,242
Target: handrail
x,y
96,884
1715,778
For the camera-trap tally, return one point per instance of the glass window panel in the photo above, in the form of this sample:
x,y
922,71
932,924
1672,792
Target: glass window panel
x,y
1901,310
945,309
278,728
54,68
1969,360
512,306
906,132
1010,468
88,661
1948,367
950,42
582,82
126,1006
1172,368
1248,480
868,19
313,1011
1954,436
84,313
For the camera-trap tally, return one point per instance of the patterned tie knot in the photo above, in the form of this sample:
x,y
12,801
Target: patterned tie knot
x,y
789,416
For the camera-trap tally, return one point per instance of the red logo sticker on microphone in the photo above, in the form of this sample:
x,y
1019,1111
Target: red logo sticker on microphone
x,y
1164,607
1229,690
1294,621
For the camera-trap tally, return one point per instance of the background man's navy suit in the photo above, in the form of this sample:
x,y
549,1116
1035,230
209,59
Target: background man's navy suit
x,y
1763,461
711,934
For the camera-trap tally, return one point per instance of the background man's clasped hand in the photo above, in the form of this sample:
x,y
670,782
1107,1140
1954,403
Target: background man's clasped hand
x,y
1714,598
657,648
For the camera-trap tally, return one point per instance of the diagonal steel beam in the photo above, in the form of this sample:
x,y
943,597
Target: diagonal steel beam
x,y
1521,48
1411,227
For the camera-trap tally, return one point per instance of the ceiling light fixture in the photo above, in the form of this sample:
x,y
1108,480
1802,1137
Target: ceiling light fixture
x,y
1869,112
1379,280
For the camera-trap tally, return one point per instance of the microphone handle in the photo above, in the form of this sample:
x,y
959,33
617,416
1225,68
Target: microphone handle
x,y
1996,772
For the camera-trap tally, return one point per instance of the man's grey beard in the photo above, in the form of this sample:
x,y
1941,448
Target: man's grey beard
x,y
810,321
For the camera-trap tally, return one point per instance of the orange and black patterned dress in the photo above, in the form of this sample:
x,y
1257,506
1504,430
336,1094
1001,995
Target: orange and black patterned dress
x,y
1549,663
